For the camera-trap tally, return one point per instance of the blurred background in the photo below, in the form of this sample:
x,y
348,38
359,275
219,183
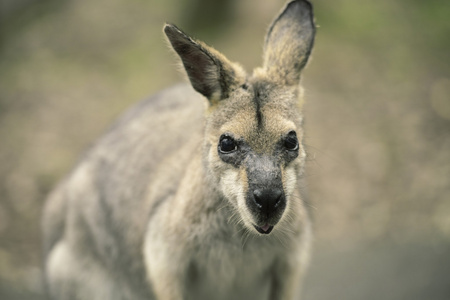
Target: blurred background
x,y
377,123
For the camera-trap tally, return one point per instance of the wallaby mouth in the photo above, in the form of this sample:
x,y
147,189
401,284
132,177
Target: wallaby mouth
x,y
267,206
265,199
265,229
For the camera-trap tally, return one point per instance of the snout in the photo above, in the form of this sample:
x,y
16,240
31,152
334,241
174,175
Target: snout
x,y
267,205
267,200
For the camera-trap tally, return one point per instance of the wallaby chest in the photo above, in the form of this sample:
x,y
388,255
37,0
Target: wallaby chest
x,y
239,271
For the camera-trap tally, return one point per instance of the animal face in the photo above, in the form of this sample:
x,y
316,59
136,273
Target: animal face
x,y
253,137
255,151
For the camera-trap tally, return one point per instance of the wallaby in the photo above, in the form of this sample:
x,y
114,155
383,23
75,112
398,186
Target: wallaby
x,y
195,193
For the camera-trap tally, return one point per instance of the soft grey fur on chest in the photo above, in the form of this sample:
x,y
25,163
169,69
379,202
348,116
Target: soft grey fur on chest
x,y
221,264
234,271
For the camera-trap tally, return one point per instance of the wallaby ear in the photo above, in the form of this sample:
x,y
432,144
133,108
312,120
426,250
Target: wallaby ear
x,y
210,73
289,42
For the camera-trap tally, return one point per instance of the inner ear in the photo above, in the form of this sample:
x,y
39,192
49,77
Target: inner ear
x,y
289,42
209,72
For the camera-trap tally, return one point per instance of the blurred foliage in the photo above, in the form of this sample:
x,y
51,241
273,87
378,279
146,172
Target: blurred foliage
x,y
215,16
378,115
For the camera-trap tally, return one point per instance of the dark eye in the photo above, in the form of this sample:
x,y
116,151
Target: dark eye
x,y
227,145
291,141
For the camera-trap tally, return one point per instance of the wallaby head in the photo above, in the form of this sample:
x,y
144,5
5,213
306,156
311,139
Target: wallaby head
x,y
253,151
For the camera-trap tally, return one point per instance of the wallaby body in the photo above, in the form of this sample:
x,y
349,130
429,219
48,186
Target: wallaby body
x,y
186,198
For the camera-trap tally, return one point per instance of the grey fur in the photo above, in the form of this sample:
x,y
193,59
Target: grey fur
x,y
154,211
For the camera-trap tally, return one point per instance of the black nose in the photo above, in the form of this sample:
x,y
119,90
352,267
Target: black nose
x,y
267,200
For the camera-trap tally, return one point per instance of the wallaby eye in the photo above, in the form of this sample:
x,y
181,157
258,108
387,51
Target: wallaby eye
x,y
227,145
291,141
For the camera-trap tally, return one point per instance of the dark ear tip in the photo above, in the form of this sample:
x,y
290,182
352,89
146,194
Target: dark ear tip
x,y
172,30
303,8
305,3
169,28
